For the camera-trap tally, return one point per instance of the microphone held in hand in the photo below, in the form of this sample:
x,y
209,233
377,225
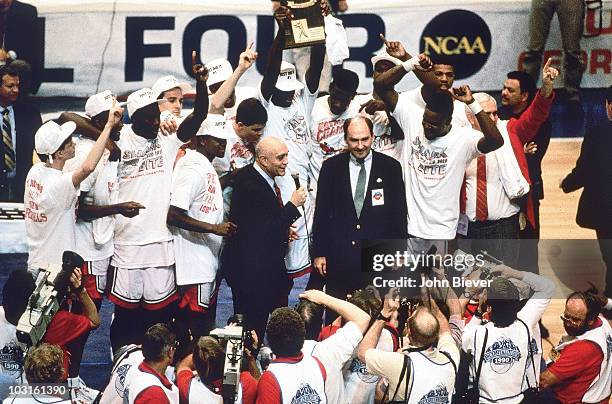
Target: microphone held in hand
x,y
296,179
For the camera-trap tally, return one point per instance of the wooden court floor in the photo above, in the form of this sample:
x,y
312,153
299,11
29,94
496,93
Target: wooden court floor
x,y
557,216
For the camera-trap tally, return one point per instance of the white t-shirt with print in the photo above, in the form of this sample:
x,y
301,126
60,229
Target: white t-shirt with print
x,y
50,214
433,172
327,132
459,118
94,239
11,354
196,189
291,125
145,176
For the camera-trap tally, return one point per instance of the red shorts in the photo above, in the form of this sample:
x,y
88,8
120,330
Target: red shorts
x,y
95,285
198,298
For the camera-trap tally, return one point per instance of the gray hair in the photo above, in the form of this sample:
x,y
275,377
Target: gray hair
x,y
482,98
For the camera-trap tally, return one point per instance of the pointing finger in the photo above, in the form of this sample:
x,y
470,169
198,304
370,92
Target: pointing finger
x,y
547,65
382,37
193,57
250,46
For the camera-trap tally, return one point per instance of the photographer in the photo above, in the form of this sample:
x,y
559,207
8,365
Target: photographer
x,y
505,348
43,365
425,368
204,386
147,382
65,327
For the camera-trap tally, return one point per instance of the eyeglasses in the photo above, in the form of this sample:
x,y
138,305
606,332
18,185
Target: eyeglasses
x,y
567,319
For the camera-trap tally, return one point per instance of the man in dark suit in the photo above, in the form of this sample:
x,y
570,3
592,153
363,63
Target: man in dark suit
x,y
21,31
19,122
360,196
593,172
253,258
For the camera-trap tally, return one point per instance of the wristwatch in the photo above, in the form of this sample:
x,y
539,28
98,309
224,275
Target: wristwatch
x,y
383,318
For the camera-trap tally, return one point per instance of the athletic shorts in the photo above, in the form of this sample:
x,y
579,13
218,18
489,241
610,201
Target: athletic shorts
x,y
93,283
198,298
150,288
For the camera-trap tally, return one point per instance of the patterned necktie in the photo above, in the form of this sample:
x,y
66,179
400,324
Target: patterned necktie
x,y
7,142
482,209
360,188
279,198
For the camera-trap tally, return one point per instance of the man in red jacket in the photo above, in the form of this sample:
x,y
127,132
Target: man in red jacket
x,y
493,213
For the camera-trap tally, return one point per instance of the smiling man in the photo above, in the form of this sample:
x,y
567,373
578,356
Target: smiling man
x,y
360,196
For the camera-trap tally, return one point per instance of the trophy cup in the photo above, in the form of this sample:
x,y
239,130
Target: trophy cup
x,y
306,28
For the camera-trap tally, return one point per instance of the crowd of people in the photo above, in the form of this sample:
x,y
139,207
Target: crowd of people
x,y
260,186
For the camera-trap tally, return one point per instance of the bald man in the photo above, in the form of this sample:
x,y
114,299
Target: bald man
x,y
432,354
360,196
253,259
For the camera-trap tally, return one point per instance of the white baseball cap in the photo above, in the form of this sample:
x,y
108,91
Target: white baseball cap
x,y
168,83
99,103
287,79
140,99
50,136
214,125
385,56
218,70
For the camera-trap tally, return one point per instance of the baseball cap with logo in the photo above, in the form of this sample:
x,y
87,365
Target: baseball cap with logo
x,y
50,136
218,70
287,79
214,125
168,83
385,56
140,99
99,103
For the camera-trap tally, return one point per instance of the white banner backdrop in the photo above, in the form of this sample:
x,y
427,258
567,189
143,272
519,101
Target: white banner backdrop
x,y
126,45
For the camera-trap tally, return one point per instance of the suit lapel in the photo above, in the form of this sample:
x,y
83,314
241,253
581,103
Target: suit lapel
x,y
367,203
264,185
347,182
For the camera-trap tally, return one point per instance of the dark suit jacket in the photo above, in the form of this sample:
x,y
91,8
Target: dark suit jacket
x,y
253,259
338,232
24,35
593,171
27,122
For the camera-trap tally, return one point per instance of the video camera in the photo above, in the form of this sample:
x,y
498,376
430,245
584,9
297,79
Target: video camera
x,y
235,336
51,285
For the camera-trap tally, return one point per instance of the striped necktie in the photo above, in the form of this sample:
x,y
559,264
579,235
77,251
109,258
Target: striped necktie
x,y
482,209
7,142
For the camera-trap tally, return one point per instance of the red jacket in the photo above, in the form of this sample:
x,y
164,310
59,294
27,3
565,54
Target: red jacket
x,y
522,130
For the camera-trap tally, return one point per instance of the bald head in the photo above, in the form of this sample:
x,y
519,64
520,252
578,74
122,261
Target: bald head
x,y
271,155
358,136
424,328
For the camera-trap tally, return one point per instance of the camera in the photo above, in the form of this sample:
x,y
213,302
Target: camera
x,y
236,337
50,291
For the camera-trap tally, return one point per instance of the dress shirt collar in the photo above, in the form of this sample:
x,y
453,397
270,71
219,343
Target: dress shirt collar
x,y
264,174
366,160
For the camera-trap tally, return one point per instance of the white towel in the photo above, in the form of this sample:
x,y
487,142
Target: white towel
x,y
336,41
512,178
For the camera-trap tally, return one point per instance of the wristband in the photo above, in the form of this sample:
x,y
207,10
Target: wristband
x,y
383,318
608,306
475,107
411,63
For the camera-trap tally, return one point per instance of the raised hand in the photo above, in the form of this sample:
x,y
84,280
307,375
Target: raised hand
x,y
247,58
463,94
425,63
199,70
282,14
394,48
325,8
530,148
549,74
115,114
372,106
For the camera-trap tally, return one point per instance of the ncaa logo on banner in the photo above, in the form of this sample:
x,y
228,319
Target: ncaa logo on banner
x,y
460,38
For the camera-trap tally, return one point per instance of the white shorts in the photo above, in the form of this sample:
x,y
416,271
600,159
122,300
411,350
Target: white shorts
x,y
95,274
152,288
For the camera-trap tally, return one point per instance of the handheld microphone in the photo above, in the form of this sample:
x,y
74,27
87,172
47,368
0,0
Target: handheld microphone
x,y
296,179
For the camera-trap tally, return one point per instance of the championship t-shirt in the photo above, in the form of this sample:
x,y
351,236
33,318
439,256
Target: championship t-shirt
x,y
11,354
327,134
291,125
100,189
433,172
50,214
196,189
145,176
